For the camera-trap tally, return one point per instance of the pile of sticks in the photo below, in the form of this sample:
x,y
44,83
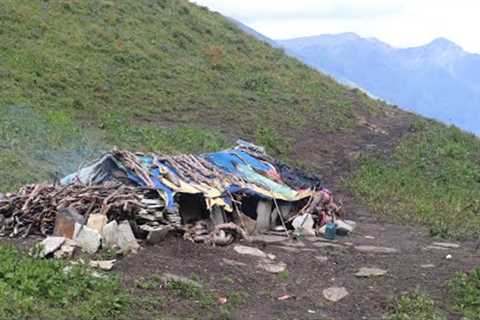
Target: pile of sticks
x,y
33,209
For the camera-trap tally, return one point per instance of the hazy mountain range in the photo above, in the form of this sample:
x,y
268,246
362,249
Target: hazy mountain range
x,y
438,80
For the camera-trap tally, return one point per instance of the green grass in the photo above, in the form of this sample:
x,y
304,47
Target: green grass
x,y
431,178
40,289
164,75
191,291
465,288
416,306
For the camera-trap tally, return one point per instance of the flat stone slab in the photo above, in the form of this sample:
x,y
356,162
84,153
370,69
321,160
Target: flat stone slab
x,y
370,272
233,263
272,267
427,266
106,265
50,245
321,258
327,245
252,252
335,294
431,247
374,249
267,238
448,245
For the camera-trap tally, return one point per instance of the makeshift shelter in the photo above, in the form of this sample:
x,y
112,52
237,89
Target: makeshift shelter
x,y
225,184
213,197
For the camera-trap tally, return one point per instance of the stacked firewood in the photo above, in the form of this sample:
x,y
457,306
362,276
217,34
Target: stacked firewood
x,y
33,209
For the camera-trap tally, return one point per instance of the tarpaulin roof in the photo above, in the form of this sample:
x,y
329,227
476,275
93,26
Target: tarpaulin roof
x,y
216,175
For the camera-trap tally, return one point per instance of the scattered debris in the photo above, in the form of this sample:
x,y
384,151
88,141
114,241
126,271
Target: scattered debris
x,y
106,265
284,297
370,272
222,300
335,294
448,257
374,249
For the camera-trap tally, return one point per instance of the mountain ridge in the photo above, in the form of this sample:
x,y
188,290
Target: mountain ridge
x,y
438,79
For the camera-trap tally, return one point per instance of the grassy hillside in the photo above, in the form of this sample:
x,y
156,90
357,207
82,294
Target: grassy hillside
x,y
78,77
164,75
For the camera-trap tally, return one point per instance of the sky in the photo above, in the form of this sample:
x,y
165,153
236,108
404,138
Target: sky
x,y
401,23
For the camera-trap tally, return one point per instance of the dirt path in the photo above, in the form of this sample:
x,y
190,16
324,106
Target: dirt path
x,y
308,273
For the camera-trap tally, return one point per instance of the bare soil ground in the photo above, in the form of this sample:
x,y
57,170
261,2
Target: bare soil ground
x,y
308,276
369,298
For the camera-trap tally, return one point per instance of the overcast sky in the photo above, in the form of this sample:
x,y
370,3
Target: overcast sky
x,y
401,23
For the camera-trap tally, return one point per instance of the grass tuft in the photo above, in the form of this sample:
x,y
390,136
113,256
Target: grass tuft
x,y
42,289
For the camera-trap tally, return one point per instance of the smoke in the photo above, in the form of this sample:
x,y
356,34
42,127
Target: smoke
x,y
43,144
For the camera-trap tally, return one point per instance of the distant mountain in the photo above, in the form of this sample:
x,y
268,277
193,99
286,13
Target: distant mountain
x,y
438,80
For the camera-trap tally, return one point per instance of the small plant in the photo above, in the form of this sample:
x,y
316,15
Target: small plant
x,y
45,289
465,289
284,275
190,290
415,306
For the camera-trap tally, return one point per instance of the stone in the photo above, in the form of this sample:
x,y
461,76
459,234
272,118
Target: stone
x,y
321,258
65,221
448,245
327,245
155,235
370,272
265,238
272,267
431,247
248,223
89,240
343,227
289,249
252,252
335,294
233,263
49,245
169,277
126,239
374,249
66,251
427,266
110,234
97,222
264,213
106,265
303,225
217,215
295,244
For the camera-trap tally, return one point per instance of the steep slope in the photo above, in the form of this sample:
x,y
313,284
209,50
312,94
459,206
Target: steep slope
x,y
163,75
78,77
438,80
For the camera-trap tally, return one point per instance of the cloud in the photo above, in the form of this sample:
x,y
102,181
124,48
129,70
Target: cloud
x,y
251,10
399,22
